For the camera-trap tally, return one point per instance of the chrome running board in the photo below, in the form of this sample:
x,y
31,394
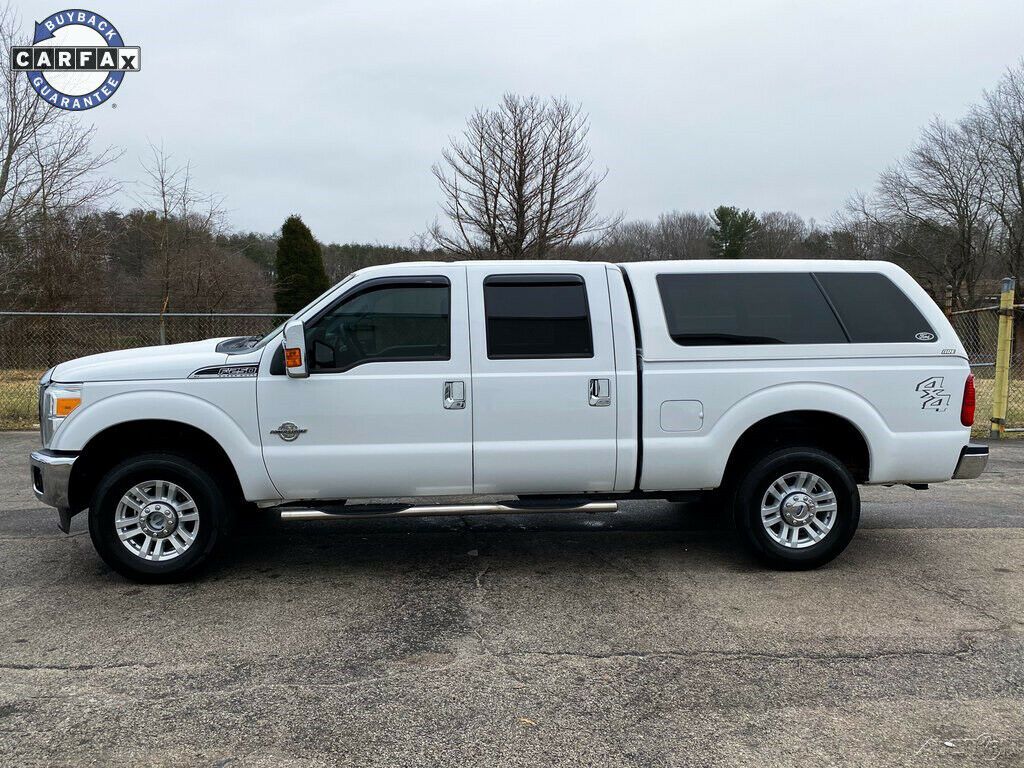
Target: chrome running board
x,y
362,512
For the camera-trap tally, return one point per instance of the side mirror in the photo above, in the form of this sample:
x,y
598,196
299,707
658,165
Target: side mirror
x,y
295,350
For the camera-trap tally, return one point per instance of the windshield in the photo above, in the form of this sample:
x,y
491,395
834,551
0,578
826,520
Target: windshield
x,y
267,339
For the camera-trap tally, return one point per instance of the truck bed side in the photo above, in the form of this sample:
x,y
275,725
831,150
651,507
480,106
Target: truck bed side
x,y
903,399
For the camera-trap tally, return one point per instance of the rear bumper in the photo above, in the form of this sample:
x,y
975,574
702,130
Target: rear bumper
x,y
973,459
51,479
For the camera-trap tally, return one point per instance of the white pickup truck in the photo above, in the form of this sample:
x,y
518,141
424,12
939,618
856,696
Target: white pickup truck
x,y
549,386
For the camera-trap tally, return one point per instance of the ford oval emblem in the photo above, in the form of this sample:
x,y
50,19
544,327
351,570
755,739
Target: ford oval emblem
x,y
924,336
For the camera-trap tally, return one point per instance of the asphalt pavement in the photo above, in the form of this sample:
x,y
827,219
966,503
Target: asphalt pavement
x,y
643,638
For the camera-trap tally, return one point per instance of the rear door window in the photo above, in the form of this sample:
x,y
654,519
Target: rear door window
x,y
873,309
537,316
747,308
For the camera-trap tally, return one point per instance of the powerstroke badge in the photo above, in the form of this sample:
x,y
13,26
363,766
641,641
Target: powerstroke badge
x,y
933,396
77,59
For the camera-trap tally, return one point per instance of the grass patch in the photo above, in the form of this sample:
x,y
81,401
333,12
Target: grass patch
x,y
19,407
1014,404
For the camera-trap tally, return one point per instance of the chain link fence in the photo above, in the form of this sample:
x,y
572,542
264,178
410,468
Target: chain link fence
x,y
978,329
32,342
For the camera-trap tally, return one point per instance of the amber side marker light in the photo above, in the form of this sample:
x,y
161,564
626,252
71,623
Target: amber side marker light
x,y
293,357
65,405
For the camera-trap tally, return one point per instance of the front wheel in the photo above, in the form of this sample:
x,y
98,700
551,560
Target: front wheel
x,y
797,508
157,517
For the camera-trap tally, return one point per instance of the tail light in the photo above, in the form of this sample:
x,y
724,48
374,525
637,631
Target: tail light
x,y
967,409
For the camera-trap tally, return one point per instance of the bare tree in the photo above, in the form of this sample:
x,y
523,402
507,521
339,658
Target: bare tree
x,y
632,241
999,121
66,265
519,183
675,235
49,177
46,160
858,234
682,235
780,236
193,271
932,207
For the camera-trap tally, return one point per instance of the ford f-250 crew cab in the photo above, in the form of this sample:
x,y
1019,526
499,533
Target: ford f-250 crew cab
x,y
555,386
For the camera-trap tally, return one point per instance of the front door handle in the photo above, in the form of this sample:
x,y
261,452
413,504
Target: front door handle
x,y
600,393
454,398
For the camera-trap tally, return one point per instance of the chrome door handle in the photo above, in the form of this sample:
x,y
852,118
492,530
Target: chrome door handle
x,y
600,393
454,395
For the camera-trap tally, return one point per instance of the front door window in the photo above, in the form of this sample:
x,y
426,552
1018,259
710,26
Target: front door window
x,y
384,322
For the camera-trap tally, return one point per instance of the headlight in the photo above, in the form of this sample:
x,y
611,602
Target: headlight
x,y
58,402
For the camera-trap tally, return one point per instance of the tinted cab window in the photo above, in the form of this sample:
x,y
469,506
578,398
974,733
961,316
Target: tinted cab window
x,y
387,321
537,316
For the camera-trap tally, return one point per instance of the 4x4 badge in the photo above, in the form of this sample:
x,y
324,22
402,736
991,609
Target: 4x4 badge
x,y
933,396
288,431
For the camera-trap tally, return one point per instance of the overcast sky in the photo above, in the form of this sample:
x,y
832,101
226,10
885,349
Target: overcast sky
x,y
336,110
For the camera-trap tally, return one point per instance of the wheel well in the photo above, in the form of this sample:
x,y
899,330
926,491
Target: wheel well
x,y
818,429
114,444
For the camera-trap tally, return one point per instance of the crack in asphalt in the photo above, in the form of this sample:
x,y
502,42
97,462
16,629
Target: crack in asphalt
x,y
748,655
66,667
46,537
956,599
476,613
965,649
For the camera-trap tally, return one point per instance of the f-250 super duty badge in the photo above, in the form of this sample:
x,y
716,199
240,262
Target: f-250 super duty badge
x,y
933,396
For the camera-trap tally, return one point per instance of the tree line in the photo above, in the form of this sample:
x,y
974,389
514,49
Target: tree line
x,y
518,182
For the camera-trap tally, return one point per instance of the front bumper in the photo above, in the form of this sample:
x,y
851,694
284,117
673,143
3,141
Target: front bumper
x,y
973,459
51,479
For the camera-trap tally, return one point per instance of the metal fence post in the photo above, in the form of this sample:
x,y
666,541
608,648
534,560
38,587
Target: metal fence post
x,y
1003,346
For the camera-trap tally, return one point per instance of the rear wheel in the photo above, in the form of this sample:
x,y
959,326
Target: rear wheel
x,y
797,507
157,517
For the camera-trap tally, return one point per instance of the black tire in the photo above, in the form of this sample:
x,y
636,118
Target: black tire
x,y
751,490
211,527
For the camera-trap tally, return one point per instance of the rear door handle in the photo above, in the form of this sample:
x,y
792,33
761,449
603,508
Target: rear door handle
x,y
454,397
600,393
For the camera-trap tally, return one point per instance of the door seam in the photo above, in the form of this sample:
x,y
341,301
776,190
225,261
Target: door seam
x,y
472,392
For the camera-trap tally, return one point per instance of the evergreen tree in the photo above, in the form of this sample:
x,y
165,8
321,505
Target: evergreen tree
x,y
731,232
301,276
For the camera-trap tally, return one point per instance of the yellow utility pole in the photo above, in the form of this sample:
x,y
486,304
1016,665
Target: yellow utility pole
x,y
1002,383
